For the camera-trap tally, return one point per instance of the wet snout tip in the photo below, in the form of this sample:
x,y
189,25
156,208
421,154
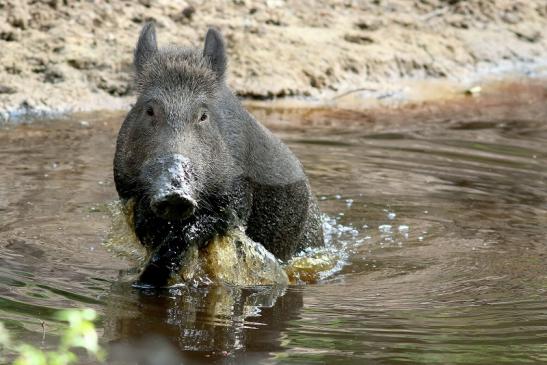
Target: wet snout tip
x,y
173,206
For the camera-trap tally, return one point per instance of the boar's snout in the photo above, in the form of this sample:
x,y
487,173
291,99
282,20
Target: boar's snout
x,y
170,180
173,205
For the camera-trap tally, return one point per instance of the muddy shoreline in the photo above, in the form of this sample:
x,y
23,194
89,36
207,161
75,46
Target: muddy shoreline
x,y
68,56
525,95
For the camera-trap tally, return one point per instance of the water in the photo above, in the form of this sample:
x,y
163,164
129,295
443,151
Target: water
x,y
440,216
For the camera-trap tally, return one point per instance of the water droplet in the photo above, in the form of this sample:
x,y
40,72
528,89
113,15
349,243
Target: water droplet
x,y
403,229
385,228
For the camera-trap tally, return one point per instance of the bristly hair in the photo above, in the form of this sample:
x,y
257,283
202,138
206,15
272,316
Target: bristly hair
x,y
175,67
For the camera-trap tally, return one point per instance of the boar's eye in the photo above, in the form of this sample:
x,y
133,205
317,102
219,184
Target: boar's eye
x,y
203,117
150,111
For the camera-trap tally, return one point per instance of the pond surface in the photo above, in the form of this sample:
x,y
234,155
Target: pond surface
x,y
442,215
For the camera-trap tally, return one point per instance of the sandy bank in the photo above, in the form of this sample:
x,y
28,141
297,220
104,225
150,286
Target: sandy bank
x,y
70,55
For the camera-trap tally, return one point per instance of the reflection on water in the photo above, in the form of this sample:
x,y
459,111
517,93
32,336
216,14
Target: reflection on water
x,y
205,322
439,220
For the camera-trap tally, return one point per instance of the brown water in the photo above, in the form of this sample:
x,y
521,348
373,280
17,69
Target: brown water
x,y
441,217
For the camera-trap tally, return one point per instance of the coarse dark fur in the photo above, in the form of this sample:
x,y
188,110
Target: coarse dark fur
x,y
189,137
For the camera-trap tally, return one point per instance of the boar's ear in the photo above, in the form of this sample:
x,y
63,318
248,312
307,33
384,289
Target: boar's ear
x,y
146,46
214,51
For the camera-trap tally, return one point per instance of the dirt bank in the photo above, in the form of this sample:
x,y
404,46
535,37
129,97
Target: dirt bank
x,y
63,55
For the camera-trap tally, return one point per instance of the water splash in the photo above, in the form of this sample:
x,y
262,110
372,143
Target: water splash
x,y
235,259
316,264
232,259
121,239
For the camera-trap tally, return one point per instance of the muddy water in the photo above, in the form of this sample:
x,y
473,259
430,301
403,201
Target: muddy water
x,y
440,220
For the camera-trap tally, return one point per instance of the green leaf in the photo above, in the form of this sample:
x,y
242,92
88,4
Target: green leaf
x,y
4,336
30,355
62,358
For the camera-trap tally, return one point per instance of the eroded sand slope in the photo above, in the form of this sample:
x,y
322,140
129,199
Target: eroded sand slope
x,y
72,55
